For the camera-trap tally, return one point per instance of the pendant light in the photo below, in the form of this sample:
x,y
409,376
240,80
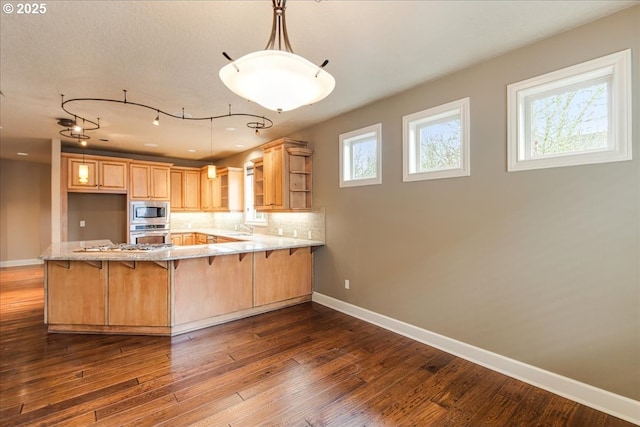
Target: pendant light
x,y
211,169
83,169
276,78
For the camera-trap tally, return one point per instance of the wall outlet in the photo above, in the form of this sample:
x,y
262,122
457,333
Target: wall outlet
x,y
279,231
82,223
295,233
346,284
309,234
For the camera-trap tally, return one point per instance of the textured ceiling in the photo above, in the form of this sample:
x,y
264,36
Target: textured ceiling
x,y
167,54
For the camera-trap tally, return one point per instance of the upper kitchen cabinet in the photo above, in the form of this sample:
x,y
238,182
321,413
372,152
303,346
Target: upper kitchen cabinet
x,y
282,177
149,181
105,174
185,189
225,192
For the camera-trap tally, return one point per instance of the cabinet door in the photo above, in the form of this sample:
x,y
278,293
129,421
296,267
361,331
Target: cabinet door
x,y
281,275
191,191
273,173
76,292
205,191
160,183
189,239
74,183
177,203
113,176
176,239
139,181
138,294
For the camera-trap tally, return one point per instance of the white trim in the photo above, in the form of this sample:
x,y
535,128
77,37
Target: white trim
x,y
459,108
618,66
602,400
20,262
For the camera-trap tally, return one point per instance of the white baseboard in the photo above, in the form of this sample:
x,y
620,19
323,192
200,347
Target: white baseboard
x,y
20,262
602,400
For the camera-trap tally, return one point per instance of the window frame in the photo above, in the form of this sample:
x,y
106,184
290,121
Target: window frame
x,y
617,68
346,141
411,147
250,215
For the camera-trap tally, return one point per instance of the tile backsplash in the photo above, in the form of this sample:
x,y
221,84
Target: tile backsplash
x,y
291,224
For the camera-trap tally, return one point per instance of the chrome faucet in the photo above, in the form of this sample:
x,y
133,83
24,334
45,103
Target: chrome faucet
x,y
247,227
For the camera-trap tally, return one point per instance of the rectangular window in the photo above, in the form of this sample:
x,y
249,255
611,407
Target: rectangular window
x,y
360,157
436,142
251,216
574,116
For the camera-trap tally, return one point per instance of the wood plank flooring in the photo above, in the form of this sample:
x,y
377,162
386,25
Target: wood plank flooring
x,y
306,365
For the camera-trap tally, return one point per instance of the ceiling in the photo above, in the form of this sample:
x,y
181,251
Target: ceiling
x,y
167,54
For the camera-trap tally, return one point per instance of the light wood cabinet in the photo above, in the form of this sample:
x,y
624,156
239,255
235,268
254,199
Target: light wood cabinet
x,y
225,193
76,292
106,175
185,189
212,286
139,293
185,239
282,177
188,239
149,181
281,275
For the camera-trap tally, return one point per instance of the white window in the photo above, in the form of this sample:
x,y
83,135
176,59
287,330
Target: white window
x,y
251,216
574,116
435,142
360,156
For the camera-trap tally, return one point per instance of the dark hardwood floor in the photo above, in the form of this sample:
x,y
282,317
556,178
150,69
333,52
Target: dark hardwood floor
x,y
306,365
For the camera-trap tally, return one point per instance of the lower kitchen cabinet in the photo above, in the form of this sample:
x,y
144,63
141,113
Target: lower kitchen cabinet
x,y
76,292
211,286
281,275
139,293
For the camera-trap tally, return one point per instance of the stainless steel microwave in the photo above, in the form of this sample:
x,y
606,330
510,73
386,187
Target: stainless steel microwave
x,y
143,212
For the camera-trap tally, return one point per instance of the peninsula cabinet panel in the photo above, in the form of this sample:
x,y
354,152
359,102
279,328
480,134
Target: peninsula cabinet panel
x,y
281,275
211,286
76,292
138,293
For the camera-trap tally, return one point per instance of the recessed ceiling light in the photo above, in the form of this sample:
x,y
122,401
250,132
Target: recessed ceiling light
x,y
191,150
23,154
150,145
240,145
230,129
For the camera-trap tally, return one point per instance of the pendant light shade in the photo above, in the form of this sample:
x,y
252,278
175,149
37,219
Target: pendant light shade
x,y
83,173
277,78
211,172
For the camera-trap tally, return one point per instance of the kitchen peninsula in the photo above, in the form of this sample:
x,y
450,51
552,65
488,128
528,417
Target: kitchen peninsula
x,y
93,287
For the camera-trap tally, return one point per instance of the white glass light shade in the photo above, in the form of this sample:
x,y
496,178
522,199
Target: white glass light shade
x,y
277,80
83,174
211,172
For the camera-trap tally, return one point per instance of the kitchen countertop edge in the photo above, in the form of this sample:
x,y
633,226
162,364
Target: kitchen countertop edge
x,y
72,251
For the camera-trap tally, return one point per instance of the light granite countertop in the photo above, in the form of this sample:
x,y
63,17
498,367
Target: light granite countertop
x,y
75,251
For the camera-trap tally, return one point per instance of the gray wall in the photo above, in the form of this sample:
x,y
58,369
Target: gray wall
x,y
105,217
539,266
25,209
